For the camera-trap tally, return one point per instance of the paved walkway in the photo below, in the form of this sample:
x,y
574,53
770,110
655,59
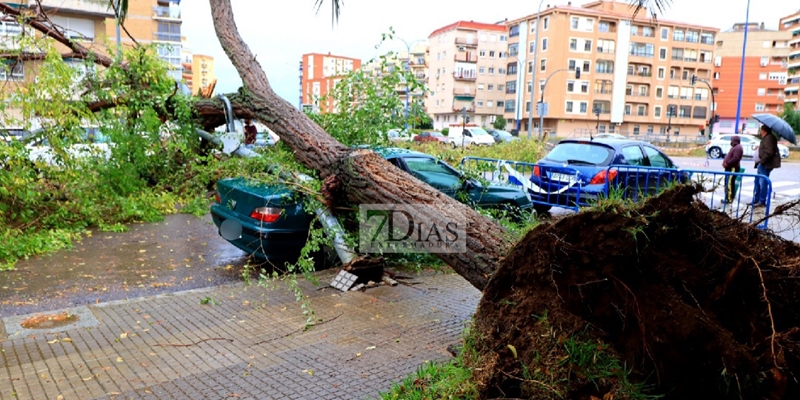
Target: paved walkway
x,y
250,344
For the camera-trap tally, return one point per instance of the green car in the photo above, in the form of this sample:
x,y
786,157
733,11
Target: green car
x,y
270,221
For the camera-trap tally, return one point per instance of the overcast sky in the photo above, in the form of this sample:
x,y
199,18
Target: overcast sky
x,y
279,32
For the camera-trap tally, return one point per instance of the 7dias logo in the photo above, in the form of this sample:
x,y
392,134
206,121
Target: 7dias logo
x,y
403,228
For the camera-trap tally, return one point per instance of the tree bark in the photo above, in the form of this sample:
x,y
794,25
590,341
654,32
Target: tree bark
x,y
362,175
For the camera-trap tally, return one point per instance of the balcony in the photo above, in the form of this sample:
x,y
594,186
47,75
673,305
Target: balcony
x,y
167,37
464,92
465,76
603,91
467,42
161,12
458,109
466,58
605,50
644,74
96,8
637,94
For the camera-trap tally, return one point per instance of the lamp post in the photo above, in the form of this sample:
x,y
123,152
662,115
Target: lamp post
x,y
533,72
712,115
541,114
119,34
408,68
741,68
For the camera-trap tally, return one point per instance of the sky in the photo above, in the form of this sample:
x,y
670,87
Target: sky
x,y
279,33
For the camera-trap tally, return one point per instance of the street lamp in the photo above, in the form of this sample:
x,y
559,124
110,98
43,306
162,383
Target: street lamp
x,y
597,126
712,114
534,67
544,107
408,68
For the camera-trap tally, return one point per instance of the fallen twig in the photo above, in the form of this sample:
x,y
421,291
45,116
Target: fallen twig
x,y
303,328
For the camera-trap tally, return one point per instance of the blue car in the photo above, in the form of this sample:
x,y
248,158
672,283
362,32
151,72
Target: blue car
x,y
577,172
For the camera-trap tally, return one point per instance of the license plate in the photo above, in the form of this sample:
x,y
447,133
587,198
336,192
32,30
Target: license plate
x,y
559,177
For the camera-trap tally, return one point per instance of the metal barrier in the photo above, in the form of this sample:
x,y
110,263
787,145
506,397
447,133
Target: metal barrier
x,y
565,187
636,183
562,189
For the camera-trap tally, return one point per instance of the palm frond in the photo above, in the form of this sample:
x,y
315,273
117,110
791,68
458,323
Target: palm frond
x,y
336,6
654,7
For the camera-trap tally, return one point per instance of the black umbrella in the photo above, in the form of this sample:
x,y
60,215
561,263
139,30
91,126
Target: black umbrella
x,y
778,125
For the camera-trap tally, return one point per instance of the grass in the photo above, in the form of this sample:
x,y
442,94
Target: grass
x,y
563,362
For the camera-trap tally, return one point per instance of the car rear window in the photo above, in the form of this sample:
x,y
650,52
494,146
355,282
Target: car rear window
x,y
581,153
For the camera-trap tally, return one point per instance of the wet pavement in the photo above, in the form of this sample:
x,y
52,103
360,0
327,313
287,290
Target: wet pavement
x,y
180,253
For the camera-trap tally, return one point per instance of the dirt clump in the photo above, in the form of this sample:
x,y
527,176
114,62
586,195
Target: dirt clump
x,y
694,304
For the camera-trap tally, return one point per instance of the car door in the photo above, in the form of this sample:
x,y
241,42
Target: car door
x,y
749,145
634,179
664,175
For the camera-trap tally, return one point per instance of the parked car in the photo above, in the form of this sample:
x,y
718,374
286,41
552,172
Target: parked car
x,y
502,136
469,136
719,146
609,136
430,137
398,135
275,224
575,171
92,143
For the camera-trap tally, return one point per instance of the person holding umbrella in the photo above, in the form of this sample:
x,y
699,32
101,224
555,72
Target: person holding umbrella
x,y
769,158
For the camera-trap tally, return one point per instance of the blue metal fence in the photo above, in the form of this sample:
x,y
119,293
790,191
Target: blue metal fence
x,y
565,187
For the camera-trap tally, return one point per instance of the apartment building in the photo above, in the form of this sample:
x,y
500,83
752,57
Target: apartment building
x,y
467,71
319,74
763,83
634,71
791,24
151,21
198,70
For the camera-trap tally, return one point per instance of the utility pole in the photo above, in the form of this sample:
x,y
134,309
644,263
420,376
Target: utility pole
x,y
670,113
597,126
119,34
543,109
534,68
463,126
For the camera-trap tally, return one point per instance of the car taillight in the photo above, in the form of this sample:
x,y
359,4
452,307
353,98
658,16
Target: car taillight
x,y
536,171
601,177
266,214
217,198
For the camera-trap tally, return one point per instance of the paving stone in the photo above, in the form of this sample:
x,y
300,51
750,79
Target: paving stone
x,y
252,344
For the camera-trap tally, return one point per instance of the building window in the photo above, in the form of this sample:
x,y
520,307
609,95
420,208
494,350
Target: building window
x,y
573,44
543,65
546,23
503,38
662,53
513,31
569,106
574,23
480,86
480,103
661,72
636,129
570,86
489,104
500,88
587,66
12,70
677,35
491,71
627,109
544,44
587,46
762,91
659,92
664,33
491,54
482,53
584,106
760,107
500,103
512,68
482,70
490,87
513,49
584,87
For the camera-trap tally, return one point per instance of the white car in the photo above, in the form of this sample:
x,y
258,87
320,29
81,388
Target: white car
x,y
719,146
469,136
94,144
398,135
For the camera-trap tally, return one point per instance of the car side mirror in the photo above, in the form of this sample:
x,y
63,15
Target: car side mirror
x,y
469,184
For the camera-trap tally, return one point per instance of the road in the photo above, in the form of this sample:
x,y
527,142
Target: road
x,y
785,180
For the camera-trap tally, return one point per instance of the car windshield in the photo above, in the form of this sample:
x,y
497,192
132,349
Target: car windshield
x,y
436,134
478,131
433,172
581,153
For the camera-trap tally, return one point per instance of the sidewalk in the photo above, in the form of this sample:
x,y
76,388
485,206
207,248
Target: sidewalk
x,y
250,344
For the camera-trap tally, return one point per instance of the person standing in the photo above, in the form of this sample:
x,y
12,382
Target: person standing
x,y
731,163
250,133
769,158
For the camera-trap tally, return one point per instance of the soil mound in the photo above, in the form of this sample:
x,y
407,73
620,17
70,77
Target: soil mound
x,y
697,306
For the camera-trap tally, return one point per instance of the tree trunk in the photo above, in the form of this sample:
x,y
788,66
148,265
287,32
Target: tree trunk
x,y
362,175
